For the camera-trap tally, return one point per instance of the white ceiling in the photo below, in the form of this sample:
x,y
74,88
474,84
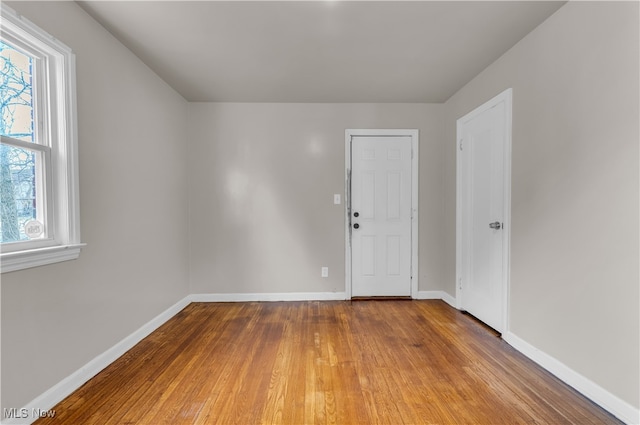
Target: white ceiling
x,y
319,51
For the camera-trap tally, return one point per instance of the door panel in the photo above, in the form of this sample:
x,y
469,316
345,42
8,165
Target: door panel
x,y
393,255
368,195
381,231
368,249
483,283
393,195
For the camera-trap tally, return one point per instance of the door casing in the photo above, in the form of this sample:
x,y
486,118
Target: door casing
x,y
461,204
413,134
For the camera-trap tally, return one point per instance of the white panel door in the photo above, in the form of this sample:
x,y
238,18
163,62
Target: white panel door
x,y
482,138
381,216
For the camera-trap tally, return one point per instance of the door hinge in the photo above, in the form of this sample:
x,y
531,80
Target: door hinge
x,y
460,284
460,144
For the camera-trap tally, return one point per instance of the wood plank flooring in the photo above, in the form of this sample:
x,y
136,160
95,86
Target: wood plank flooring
x,y
365,362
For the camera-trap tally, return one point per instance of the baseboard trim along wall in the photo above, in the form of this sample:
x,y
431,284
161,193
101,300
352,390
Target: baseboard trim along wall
x,y
270,296
46,401
603,398
43,403
437,295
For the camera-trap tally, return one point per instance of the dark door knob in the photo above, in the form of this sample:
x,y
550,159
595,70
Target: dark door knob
x,y
355,226
356,214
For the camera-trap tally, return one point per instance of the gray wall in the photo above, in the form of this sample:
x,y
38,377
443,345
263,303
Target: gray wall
x,y
574,247
262,179
132,154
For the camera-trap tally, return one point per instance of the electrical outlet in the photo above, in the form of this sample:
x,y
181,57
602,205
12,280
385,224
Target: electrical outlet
x,y
324,272
336,199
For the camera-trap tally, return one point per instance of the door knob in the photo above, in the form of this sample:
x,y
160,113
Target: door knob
x,y
356,214
356,226
495,225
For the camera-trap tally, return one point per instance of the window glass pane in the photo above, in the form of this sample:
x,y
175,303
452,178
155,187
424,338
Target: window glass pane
x,y
18,190
16,93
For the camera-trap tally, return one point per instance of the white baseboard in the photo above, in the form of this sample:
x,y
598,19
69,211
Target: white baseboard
x,y
270,296
46,401
614,405
305,296
437,295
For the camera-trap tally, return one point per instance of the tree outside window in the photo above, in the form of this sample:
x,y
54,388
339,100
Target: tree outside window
x,y
17,166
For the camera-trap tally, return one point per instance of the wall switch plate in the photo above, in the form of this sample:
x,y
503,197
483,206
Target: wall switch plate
x,y
324,272
336,199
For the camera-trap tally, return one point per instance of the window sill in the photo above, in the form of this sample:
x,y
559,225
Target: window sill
x,y
12,261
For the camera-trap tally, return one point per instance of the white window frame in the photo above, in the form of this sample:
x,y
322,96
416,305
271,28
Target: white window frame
x,y
56,130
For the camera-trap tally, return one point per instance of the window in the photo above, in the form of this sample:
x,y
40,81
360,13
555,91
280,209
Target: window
x,y
39,214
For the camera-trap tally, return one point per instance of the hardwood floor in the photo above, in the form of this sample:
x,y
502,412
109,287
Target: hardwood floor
x,y
365,362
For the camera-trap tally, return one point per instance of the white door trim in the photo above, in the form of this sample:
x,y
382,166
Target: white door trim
x,y
349,134
506,97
